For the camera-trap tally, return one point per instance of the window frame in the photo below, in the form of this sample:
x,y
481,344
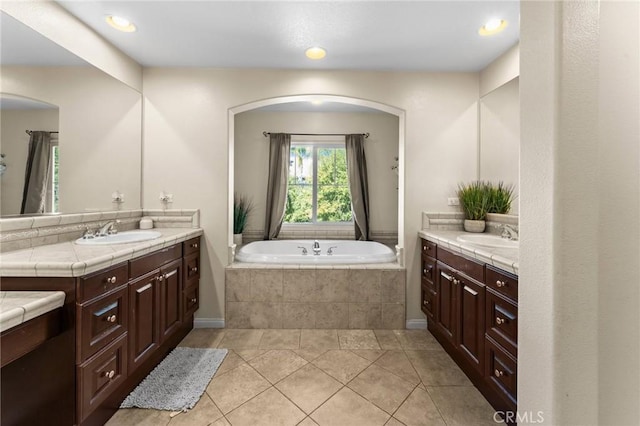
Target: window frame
x,y
316,144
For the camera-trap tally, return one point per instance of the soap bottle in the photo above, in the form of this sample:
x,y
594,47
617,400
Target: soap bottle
x,y
146,223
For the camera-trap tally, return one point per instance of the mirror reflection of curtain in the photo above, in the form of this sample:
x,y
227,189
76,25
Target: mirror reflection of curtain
x,y
279,146
358,184
36,173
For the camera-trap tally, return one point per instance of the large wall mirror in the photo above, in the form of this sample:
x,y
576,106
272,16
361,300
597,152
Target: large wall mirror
x,y
500,136
98,120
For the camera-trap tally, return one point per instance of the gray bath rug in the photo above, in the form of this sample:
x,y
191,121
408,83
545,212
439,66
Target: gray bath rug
x,y
178,382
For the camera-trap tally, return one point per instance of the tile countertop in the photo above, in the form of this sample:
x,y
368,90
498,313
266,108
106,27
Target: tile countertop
x,y
72,260
17,307
503,258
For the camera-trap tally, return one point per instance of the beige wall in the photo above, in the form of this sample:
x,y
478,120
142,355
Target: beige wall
x,y
252,155
186,148
500,136
14,144
100,132
505,68
579,291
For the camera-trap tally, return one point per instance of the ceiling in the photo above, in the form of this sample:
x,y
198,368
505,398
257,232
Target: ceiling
x,y
358,35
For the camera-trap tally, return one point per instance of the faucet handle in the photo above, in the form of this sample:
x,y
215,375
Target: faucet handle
x,y
330,250
88,234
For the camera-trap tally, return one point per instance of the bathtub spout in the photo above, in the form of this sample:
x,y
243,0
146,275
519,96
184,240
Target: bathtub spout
x,y
316,248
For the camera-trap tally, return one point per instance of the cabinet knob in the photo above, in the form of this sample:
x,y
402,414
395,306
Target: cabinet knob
x,y
112,318
160,277
424,271
500,320
194,269
424,248
194,300
194,245
501,283
426,302
455,281
109,374
498,373
112,280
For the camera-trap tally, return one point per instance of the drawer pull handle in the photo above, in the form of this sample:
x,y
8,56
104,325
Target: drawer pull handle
x,y
194,300
500,320
194,269
109,374
112,318
112,280
501,284
447,276
498,373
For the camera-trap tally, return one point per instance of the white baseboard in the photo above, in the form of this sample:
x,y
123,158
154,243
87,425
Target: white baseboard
x,y
416,324
208,323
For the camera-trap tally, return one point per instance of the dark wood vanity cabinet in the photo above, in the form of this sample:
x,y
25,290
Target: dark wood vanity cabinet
x,y
472,311
124,320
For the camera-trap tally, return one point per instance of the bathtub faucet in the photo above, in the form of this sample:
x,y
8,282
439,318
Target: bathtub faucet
x,y
304,250
316,248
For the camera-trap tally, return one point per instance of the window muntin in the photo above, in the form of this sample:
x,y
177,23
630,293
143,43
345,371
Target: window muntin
x,y
318,190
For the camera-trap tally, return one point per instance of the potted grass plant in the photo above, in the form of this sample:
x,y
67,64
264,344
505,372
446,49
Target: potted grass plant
x,y
474,199
242,208
500,198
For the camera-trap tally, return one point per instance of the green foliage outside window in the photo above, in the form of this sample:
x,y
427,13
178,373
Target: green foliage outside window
x,y
333,197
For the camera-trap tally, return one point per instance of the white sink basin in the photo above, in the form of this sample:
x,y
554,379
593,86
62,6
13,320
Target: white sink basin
x,y
488,240
120,238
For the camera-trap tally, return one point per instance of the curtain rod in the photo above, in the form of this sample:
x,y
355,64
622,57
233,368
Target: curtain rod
x,y
31,131
366,135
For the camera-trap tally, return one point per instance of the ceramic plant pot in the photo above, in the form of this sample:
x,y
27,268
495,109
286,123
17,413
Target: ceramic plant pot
x,y
474,225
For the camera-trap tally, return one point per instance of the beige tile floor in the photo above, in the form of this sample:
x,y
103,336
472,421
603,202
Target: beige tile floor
x,y
326,377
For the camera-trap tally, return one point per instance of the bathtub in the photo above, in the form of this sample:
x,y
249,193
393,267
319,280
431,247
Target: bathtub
x,y
291,252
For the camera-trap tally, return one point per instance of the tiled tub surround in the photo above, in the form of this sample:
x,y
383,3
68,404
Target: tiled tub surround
x,y
67,259
338,296
444,229
25,232
17,307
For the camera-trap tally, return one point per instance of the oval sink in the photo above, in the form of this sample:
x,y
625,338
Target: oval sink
x,y
488,240
120,238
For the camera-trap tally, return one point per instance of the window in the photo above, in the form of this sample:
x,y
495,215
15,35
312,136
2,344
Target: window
x,y
318,185
53,184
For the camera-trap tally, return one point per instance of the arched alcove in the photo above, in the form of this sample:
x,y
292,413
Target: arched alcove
x,y
316,98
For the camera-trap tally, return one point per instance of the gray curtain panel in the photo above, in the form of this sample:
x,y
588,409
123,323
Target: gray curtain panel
x,y
37,173
279,146
358,184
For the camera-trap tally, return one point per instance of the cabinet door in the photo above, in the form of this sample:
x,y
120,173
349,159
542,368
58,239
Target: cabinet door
x,y
470,321
446,301
144,320
170,280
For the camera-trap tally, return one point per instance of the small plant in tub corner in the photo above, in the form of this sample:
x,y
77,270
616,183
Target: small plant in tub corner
x,y
474,199
242,208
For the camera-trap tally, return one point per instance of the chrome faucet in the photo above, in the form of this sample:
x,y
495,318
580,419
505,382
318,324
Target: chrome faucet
x,y
316,248
330,250
509,232
304,250
108,229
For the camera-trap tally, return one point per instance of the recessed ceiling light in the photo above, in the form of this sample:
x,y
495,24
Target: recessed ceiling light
x,y
315,53
494,26
120,23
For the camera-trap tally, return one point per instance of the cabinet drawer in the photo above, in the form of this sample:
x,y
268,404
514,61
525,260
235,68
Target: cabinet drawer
x,y
428,269
102,321
501,371
94,285
142,265
191,268
191,301
503,282
428,301
502,321
192,246
469,267
100,375
428,248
